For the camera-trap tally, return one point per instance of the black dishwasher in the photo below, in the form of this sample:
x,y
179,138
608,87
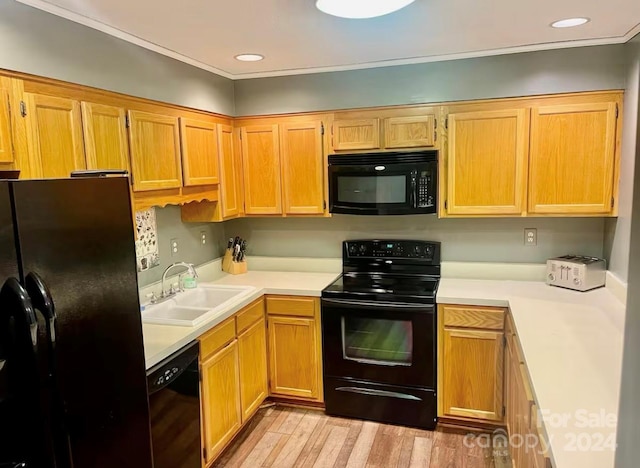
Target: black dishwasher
x,y
174,404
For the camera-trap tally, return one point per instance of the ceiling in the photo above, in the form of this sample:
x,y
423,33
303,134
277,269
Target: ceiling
x,y
297,38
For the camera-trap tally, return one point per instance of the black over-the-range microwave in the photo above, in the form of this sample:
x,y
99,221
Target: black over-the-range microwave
x,y
383,183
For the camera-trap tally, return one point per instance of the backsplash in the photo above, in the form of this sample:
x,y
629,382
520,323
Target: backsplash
x,y
463,240
190,248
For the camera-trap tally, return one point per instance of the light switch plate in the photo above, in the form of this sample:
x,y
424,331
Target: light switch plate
x,y
174,247
530,237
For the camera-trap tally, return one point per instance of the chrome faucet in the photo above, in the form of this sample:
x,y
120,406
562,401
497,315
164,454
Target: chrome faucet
x,y
172,292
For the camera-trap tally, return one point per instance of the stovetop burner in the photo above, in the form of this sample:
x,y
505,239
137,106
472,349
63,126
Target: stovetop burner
x,y
389,271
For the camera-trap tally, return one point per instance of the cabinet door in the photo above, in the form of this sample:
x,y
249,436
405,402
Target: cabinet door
x,y
199,142
487,162
220,399
472,374
303,168
409,132
6,151
105,136
572,158
230,172
294,357
261,168
358,134
54,135
254,389
155,151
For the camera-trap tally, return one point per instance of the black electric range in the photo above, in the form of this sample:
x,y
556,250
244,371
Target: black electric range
x,y
379,332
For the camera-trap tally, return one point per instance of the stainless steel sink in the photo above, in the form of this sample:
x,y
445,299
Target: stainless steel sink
x,y
193,307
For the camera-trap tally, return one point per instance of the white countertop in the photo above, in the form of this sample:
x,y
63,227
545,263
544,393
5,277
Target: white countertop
x,y
160,341
572,344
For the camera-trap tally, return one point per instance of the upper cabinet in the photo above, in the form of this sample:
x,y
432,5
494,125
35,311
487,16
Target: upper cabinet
x,y
105,136
356,134
384,129
573,149
230,173
261,168
556,155
54,135
199,141
487,162
6,151
155,151
409,132
303,168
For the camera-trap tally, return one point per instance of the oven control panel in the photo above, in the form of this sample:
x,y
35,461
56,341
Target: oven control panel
x,y
392,249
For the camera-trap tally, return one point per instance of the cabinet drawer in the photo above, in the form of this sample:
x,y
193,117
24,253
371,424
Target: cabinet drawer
x,y
474,317
250,315
215,339
291,306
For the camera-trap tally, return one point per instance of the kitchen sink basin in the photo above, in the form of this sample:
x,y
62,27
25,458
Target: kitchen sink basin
x,y
193,307
208,296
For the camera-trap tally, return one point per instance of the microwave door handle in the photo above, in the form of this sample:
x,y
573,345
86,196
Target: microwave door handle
x,y
414,189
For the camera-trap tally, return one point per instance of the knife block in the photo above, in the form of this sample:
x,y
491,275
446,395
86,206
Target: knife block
x,y
234,268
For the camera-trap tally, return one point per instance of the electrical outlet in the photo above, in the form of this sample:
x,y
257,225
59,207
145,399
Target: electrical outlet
x,y
174,247
203,237
530,237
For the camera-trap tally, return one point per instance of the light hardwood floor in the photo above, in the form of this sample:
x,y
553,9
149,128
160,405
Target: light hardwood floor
x,y
284,437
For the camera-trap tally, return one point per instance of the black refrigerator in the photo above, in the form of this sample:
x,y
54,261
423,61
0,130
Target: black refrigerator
x,y
72,371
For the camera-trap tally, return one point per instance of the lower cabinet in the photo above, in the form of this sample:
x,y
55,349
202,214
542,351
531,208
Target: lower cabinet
x,y
254,389
295,357
471,360
221,410
522,413
233,367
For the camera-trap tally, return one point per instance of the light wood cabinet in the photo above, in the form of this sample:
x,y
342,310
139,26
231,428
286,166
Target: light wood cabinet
x,y
199,143
521,410
261,168
295,354
221,409
6,150
302,168
471,362
293,357
155,151
230,173
409,132
356,134
571,168
252,345
105,136
54,136
487,162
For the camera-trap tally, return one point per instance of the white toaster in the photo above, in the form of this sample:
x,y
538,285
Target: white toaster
x,y
576,272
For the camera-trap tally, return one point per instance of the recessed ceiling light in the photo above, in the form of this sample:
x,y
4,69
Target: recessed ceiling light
x,y
249,57
360,9
569,22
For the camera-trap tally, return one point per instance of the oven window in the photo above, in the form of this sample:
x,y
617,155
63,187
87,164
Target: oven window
x,y
372,189
377,341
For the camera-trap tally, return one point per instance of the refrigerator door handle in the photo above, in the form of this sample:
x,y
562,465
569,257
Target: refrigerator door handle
x,y
42,301
18,300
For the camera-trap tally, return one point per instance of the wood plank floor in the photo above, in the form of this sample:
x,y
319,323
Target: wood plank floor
x,y
284,437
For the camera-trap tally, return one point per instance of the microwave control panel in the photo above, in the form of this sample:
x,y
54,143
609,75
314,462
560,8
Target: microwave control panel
x,y
425,197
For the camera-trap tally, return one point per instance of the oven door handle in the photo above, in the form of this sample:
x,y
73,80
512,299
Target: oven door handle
x,y
378,305
379,393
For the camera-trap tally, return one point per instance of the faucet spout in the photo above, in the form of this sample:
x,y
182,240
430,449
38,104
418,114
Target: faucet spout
x,y
189,267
